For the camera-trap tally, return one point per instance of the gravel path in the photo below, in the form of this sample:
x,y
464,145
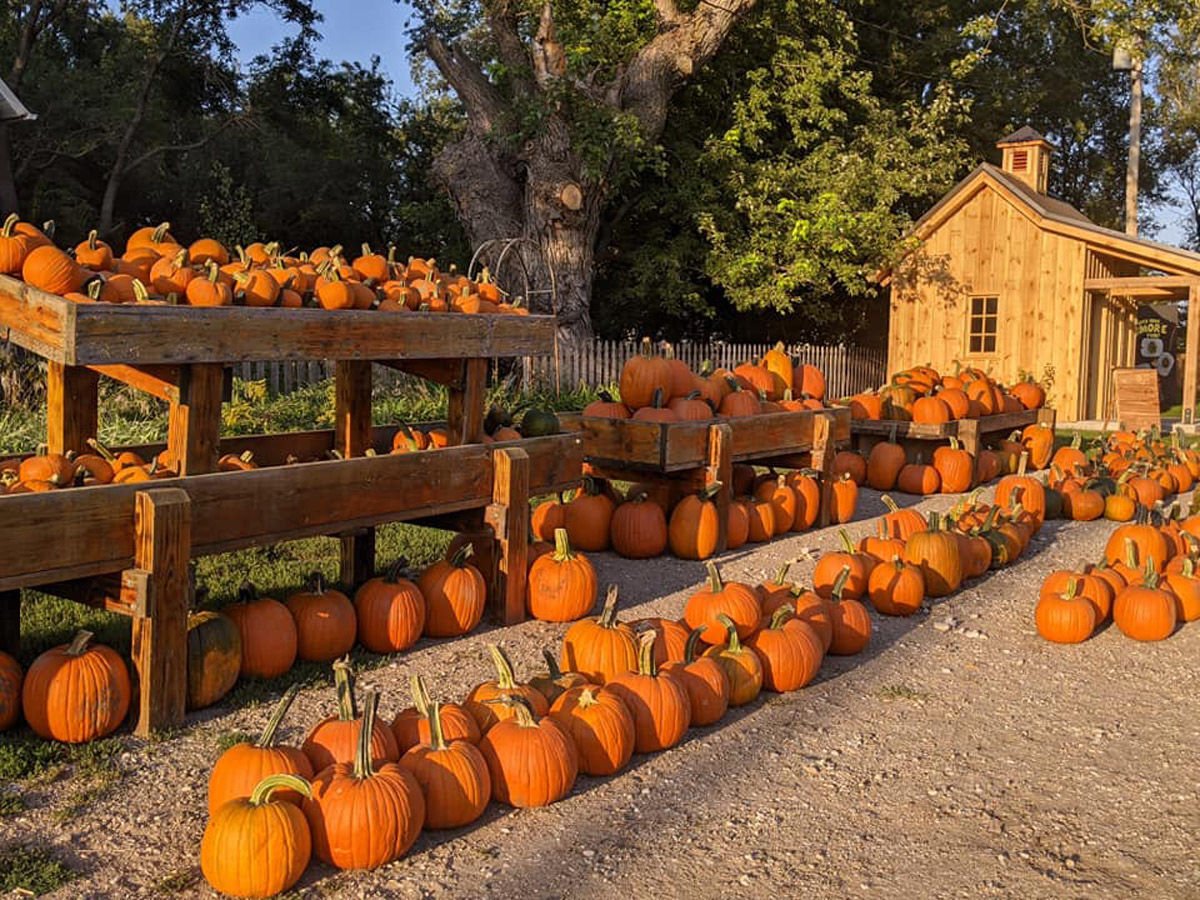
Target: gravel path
x,y
960,755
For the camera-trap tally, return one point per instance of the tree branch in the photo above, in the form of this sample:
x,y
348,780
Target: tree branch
x,y
549,60
659,68
31,29
502,22
668,11
484,105
178,148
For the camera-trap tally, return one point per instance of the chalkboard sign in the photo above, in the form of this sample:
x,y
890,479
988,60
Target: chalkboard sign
x,y
1137,398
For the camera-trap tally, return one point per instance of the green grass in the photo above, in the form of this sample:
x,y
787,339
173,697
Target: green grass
x,y
11,804
182,881
32,869
901,692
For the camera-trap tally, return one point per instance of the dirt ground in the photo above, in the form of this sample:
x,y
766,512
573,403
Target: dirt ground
x,y
959,756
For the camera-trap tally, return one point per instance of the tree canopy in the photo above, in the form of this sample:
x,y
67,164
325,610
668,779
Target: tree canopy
x,y
741,166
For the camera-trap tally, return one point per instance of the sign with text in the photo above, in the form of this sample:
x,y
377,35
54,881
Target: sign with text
x,y
1161,343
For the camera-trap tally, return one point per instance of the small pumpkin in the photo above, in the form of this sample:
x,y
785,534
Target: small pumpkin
x,y
658,702
600,648
936,553
1065,618
896,588
391,612
1146,612
483,700
790,651
554,681
705,681
695,522
334,739
741,664
709,607
455,595
76,692
214,646
639,528
600,725
11,678
411,725
532,761
562,586
453,776
326,625
851,621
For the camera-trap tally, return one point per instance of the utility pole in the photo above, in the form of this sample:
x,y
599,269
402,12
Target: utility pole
x,y
1125,60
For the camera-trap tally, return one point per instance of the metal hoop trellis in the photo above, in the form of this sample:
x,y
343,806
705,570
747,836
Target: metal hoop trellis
x,y
503,247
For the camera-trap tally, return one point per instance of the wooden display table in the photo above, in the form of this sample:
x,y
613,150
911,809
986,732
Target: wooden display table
x,y
72,542
971,433
694,455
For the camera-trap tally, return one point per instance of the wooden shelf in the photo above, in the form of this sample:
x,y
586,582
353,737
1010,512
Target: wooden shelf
x,y
107,334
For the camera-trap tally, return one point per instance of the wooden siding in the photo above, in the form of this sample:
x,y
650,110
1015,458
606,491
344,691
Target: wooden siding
x,y
991,246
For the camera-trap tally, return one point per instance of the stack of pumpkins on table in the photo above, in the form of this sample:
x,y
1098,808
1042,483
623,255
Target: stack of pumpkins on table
x,y
81,691
1147,579
357,792
951,469
924,395
651,518
155,268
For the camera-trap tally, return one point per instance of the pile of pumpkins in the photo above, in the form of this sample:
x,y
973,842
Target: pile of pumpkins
x,y
950,469
652,518
922,394
80,691
656,388
155,268
357,792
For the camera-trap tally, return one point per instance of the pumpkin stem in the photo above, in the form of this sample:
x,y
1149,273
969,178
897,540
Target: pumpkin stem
x,y
780,616
267,738
731,635
1131,554
608,614
890,503
689,649
551,665
362,758
101,449
1149,575
420,696
714,577
79,643
562,546
522,710
781,574
847,544
396,570
462,554
713,489
264,789
587,697
840,584
1021,466
505,680
9,224
343,681
437,740
646,664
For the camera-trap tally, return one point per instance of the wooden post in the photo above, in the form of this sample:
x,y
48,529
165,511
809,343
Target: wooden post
x,y
1192,360
1048,417
352,407
10,622
358,556
465,408
720,468
161,593
72,407
194,423
508,517
822,460
968,436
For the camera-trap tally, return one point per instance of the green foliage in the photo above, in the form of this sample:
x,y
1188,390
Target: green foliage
x,y
34,869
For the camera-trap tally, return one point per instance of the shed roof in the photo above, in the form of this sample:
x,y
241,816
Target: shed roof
x,y
11,108
1022,135
1052,215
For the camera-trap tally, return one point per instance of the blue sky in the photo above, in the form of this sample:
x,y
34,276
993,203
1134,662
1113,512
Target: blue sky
x,y
353,30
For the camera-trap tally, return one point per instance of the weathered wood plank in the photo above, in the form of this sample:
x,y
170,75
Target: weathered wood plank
x,y
35,320
194,423
720,469
162,589
357,557
72,407
157,381
464,411
232,510
352,407
508,517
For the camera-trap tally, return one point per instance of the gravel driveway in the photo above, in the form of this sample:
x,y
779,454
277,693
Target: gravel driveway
x,y
960,755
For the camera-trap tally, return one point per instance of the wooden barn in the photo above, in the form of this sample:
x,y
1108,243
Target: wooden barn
x,y
1004,277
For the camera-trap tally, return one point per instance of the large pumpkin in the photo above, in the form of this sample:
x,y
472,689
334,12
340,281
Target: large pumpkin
x,y
695,522
642,375
562,585
532,762
239,769
335,739
1144,611
11,677
258,845
268,632
325,621
936,554
391,612
739,602
364,815
658,702
1065,618
600,648
600,725
588,517
214,658
790,651
455,595
76,692
453,776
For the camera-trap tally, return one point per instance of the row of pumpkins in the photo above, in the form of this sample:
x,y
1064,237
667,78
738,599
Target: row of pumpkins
x,y
657,388
922,394
652,518
156,268
357,792
80,691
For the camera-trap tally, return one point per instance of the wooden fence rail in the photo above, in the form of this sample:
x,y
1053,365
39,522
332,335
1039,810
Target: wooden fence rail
x,y
847,369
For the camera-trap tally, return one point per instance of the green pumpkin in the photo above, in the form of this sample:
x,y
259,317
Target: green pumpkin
x,y
1054,504
496,418
539,423
214,646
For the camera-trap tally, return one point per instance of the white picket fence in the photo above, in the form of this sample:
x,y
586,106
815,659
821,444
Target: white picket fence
x,y
847,369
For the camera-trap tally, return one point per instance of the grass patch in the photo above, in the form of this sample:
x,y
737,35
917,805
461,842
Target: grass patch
x,y
892,692
32,869
11,804
229,739
95,767
178,882
24,755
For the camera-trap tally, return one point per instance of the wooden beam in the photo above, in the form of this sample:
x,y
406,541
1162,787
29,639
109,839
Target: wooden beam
x,y
10,622
357,557
1138,282
352,408
72,407
720,468
162,591
440,371
508,517
157,381
465,407
1192,357
822,460
194,422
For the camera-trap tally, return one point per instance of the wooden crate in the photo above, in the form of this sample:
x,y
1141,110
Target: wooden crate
x,y
971,433
697,454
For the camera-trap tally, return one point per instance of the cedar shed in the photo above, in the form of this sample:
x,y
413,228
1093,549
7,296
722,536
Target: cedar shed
x,y
1004,277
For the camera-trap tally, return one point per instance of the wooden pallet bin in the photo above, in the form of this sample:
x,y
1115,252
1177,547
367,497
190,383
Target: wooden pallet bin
x,y
924,439
127,547
694,455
